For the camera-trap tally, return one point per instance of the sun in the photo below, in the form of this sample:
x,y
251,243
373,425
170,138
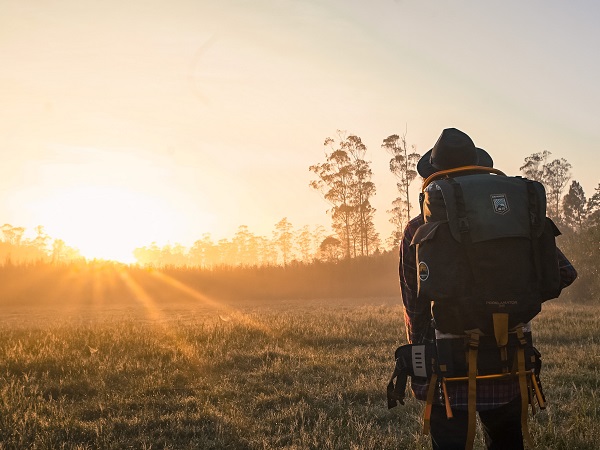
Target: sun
x,y
105,222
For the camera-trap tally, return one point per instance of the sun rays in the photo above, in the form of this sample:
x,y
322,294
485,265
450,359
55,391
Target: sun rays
x,y
100,291
157,310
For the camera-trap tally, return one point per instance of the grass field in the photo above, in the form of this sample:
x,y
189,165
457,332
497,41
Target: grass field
x,y
293,375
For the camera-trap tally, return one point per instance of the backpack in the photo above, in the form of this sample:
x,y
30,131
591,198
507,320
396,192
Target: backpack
x,y
487,260
486,247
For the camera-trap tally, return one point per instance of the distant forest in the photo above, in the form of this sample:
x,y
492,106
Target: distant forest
x,y
105,284
308,261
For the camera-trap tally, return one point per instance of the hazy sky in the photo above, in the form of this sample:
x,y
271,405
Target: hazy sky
x,y
163,120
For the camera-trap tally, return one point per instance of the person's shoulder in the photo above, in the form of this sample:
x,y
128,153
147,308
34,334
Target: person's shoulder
x,y
415,222
412,225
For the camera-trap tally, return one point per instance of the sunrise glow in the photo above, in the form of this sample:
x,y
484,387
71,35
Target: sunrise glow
x,y
105,222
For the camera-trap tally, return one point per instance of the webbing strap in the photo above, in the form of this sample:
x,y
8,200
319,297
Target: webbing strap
x,y
531,395
501,334
501,328
461,211
465,232
538,392
472,391
535,223
429,403
523,388
395,393
449,414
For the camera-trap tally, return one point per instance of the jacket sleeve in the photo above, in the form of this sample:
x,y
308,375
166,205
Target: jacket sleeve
x,y
568,274
417,314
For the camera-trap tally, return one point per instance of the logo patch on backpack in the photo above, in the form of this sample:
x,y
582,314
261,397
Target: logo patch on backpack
x,y
500,203
423,271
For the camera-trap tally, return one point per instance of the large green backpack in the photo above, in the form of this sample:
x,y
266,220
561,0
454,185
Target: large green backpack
x,y
486,247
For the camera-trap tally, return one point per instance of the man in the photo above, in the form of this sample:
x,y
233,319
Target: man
x,y
498,401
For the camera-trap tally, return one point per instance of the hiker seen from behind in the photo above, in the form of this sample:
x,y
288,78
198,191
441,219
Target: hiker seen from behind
x,y
475,267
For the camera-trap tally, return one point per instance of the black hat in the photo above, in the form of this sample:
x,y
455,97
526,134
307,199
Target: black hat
x,y
453,149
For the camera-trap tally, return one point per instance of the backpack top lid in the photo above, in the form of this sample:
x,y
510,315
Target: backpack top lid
x,y
487,206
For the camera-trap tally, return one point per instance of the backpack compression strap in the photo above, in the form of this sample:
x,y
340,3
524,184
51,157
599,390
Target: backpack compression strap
x,y
472,390
501,334
429,403
523,387
469,169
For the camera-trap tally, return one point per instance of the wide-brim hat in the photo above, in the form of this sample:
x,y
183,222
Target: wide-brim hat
x,y
453,149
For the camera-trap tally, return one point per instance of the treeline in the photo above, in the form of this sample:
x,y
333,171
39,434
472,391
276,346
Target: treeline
x,y
373,276
102,284
17,249
245,249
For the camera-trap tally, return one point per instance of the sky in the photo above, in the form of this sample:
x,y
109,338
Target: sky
x,y
124,123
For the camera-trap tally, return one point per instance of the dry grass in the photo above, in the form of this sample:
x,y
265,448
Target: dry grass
x,y
299,375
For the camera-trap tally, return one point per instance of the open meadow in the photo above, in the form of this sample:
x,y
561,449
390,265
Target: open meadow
x,y
188,371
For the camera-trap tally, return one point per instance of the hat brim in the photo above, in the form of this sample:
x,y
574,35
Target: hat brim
x,y
425,168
